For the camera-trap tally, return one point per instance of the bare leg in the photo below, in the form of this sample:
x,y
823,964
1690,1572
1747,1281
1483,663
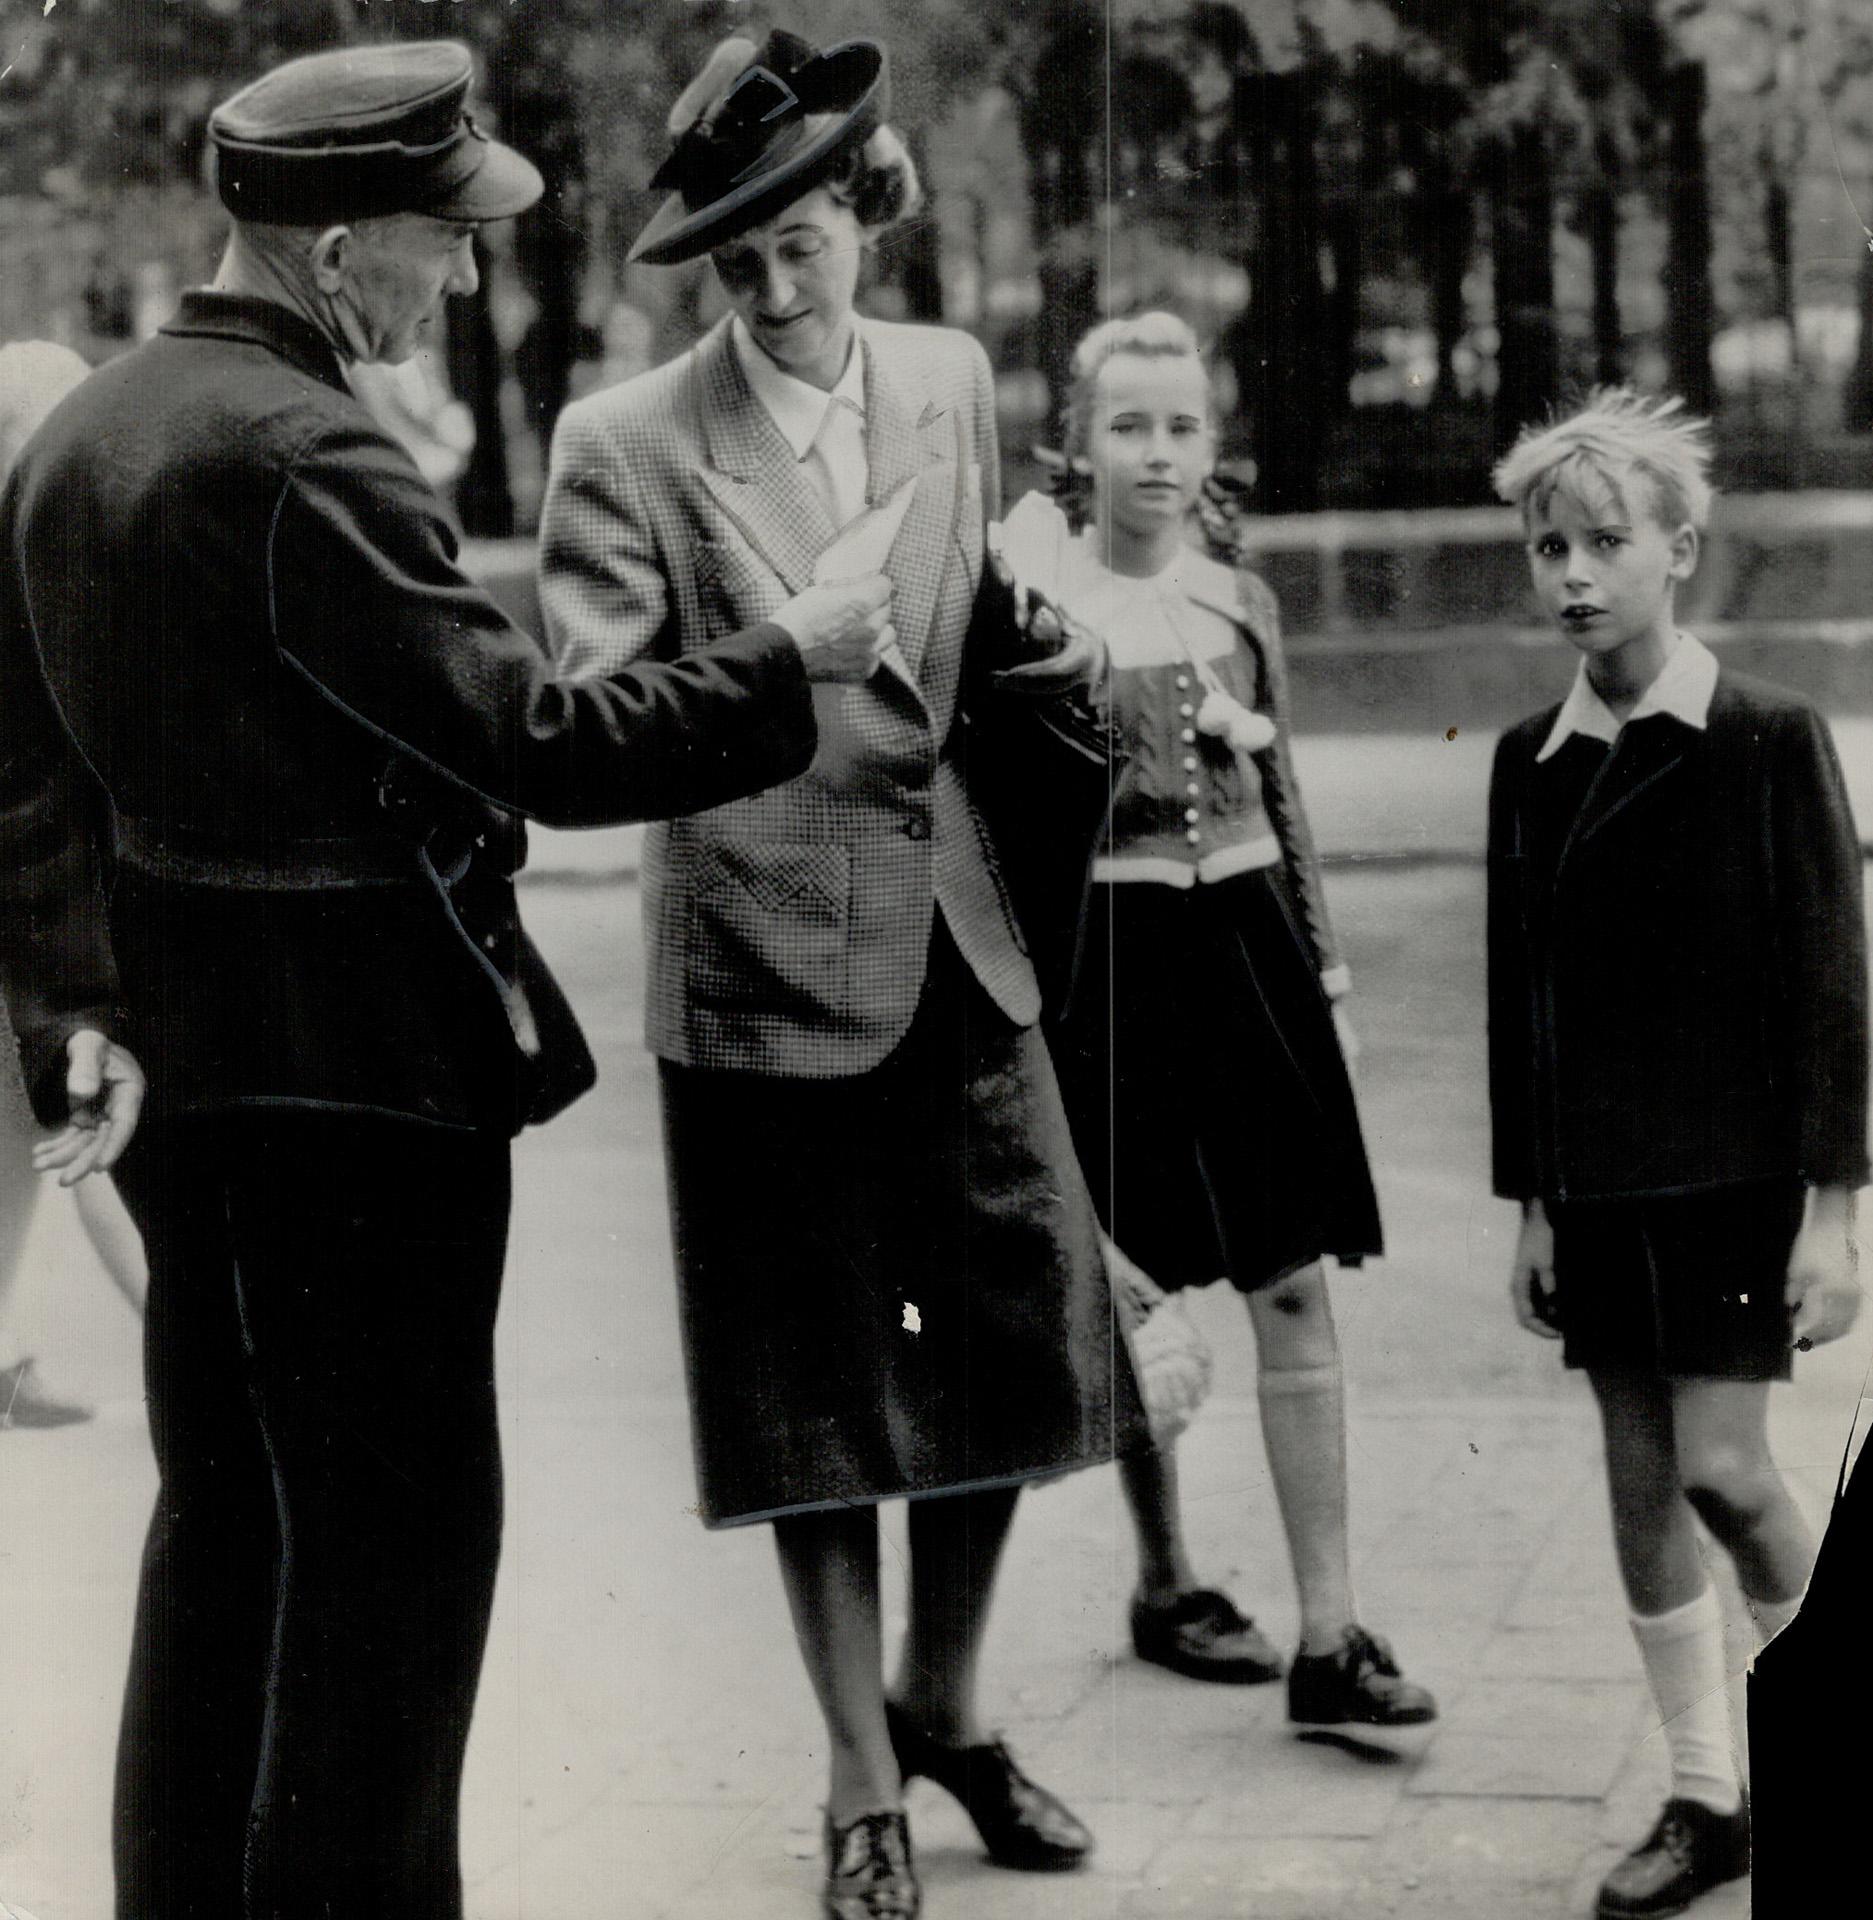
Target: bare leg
x,y
1722,1435
829,1565
1653,1534
1150,1483
19,1185
956,1543
114,1237
1303,1401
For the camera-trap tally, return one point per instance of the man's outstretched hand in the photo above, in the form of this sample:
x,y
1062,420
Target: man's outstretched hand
x,y
104,1086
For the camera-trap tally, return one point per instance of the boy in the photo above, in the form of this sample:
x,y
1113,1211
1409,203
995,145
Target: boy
x,y
1678,1070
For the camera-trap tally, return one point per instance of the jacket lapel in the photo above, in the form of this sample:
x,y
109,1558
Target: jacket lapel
x,y
901,447
752,472
1643,756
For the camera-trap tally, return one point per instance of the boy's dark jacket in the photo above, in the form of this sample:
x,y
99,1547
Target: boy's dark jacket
x,y
1677,967
263,747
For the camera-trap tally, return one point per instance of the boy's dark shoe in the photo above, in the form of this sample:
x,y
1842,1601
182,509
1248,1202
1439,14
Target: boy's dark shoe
x,y
1361,1683
869,1875
1202,1636
1691,1850
1022,1825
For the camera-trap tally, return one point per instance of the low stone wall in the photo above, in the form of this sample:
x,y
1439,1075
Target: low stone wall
x,y
1420,622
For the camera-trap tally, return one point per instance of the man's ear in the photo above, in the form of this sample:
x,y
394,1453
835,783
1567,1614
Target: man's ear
x,y
328,258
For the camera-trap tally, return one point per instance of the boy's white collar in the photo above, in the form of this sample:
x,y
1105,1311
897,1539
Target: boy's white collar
x,y
1683,689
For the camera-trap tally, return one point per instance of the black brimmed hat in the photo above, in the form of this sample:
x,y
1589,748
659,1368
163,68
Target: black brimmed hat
x,y
363,131
780,128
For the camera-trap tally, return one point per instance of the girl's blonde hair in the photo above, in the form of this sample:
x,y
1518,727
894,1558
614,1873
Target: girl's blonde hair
x,y
1617,432
1152,336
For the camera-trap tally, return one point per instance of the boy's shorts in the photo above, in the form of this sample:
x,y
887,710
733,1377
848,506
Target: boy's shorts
x,y
1683,1286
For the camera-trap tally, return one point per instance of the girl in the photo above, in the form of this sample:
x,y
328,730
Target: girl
x,y
1208,1093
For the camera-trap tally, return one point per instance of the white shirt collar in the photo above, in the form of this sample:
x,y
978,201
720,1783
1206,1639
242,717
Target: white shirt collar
x,y
797,408
1683,689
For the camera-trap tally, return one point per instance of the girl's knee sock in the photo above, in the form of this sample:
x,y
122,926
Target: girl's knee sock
x,y
1304,1431
1683,1655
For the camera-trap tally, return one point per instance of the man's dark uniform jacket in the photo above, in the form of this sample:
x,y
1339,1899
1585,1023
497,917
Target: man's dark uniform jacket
x,y
1677,956
264,826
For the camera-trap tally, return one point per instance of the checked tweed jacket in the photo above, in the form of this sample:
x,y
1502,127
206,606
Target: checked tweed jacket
x,y
788,933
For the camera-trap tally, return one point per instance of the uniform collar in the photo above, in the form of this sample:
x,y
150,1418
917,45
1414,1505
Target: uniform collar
x,y
796,407
208,313
1683,689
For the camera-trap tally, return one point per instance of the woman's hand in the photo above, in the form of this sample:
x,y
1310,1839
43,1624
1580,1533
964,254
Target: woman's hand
x,y
1823,1287
1531,1282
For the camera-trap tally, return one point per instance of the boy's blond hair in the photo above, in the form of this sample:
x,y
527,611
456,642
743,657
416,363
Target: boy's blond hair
x,y
1617,432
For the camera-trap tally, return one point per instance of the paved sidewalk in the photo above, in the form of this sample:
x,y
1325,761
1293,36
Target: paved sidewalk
x,y
646,1747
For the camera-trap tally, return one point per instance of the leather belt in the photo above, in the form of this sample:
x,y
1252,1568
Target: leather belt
x,y
161,852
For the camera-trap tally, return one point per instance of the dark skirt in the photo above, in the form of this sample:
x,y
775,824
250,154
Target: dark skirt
x,y
891,1284
1206,1089
1688,1286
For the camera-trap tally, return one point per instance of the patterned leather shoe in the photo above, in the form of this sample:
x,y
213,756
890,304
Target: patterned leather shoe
x,y
1022,1825
868,1870
1361,1683
1691,1850
1202,1636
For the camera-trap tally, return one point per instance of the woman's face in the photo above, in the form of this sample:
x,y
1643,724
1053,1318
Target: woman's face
x,y
792,282
1149,443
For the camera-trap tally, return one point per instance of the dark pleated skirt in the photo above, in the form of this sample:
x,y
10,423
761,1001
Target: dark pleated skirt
x,y
891,1284
1208,1096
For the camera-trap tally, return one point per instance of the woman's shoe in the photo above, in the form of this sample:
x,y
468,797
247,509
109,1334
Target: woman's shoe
x,y
1202,1636
1360,1682
869,1875
1022,1825
1691,1850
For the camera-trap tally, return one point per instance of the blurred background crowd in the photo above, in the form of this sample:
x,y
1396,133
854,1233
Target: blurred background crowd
x,y
1407,225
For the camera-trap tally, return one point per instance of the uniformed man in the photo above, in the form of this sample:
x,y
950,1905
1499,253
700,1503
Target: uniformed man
x,y
264,753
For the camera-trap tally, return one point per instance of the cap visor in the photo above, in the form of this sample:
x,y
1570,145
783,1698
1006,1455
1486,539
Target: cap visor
x,y
506,183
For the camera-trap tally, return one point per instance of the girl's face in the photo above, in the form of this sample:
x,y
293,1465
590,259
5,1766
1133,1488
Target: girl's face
x,y
1149,442
1606,569
793,282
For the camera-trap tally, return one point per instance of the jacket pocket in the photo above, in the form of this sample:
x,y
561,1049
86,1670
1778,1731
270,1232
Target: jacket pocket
x,y
769,924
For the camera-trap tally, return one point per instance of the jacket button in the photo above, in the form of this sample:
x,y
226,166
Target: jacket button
x,y
916,829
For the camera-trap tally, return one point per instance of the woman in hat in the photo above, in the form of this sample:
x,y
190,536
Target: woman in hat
x,y
888,1266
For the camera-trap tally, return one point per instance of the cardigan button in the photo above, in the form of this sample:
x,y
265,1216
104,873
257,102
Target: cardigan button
x,y
1190,763
1192,815
1192,835
1187,710
1183,683
1188,736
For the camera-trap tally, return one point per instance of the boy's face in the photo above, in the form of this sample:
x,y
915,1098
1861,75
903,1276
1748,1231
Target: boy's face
x,y
1604,565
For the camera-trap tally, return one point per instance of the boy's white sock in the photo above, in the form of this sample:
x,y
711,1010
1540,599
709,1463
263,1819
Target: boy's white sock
x,y
1771,1616
1683,1655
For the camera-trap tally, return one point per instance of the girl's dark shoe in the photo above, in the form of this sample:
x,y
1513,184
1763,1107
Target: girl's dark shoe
x,y
868,1870
1202,1636
1361,1683
1022,1825
1692,1849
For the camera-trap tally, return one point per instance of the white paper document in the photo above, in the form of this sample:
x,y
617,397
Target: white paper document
x,y
864,546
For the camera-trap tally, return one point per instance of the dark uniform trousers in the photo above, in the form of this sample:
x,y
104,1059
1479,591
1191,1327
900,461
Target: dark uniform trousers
x,y
321,1563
